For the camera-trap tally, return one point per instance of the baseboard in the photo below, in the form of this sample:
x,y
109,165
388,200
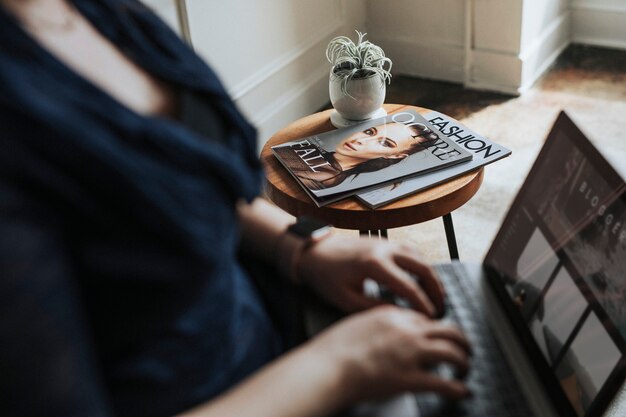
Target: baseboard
x,y
543,52
599,25
437,61
607,6
495,71
514,74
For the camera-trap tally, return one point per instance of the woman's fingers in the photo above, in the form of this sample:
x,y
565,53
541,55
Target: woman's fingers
x,y
444,351
353,301
400,268
400,282
336,265
451,333
391,350
427,278
421,381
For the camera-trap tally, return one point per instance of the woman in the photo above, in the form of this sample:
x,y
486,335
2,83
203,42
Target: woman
x,y
129,187
370,150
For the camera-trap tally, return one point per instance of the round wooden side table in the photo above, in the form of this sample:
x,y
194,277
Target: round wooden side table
x,y
438,201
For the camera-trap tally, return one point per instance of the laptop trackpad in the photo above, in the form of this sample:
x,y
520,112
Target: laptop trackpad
x,y
399,406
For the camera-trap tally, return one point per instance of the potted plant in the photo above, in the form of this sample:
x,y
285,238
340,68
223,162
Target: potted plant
x,y
357,79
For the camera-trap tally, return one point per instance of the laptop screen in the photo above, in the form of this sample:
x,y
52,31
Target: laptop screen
x,y
559,267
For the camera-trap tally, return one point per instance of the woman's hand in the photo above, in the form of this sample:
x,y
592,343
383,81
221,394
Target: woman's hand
x,y
368,356
388,350
337,266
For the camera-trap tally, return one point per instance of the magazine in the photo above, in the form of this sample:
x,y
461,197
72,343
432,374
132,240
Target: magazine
x,y
336,164
484,150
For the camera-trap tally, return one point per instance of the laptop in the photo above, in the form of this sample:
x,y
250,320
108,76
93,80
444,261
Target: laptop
x,y
546,311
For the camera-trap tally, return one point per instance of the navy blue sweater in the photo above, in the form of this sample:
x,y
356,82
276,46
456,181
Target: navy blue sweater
x,y
120,289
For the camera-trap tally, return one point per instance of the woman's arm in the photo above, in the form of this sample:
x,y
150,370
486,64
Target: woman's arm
x,y
301,383
262,225
370,355
337,266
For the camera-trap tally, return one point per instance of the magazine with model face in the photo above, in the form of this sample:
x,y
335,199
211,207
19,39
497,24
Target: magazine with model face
x,y
484,151
336,164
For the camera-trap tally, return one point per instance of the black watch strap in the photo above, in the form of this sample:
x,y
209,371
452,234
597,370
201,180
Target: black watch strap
x,y
309,228
296,240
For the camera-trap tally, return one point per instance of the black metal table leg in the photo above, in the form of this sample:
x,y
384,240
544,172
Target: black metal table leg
x,y
450,237
374,233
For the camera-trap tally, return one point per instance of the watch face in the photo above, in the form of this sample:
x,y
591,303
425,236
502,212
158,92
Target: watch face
x,y
308,227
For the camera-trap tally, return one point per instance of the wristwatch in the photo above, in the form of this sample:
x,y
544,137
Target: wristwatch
x,y
309,229
296,240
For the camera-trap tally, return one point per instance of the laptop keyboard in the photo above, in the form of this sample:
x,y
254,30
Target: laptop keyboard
x,y
491,381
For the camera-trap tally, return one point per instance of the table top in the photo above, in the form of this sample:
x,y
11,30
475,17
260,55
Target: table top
x,y
285,192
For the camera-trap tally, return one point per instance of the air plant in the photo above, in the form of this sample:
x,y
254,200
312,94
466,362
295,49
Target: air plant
x,y
354,61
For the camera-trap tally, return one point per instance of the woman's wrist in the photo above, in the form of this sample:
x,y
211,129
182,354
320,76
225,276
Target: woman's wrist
x,y
296,242
284,253
336,372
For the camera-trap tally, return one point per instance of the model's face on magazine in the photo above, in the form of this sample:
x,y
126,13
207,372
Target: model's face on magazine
x,y
391,140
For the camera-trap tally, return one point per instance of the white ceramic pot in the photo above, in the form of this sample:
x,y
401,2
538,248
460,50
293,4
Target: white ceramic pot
x,y
368,95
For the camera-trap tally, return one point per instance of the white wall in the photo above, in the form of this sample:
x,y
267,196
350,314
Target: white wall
x,y
502,45
271,53
423,37
166,9
599,22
